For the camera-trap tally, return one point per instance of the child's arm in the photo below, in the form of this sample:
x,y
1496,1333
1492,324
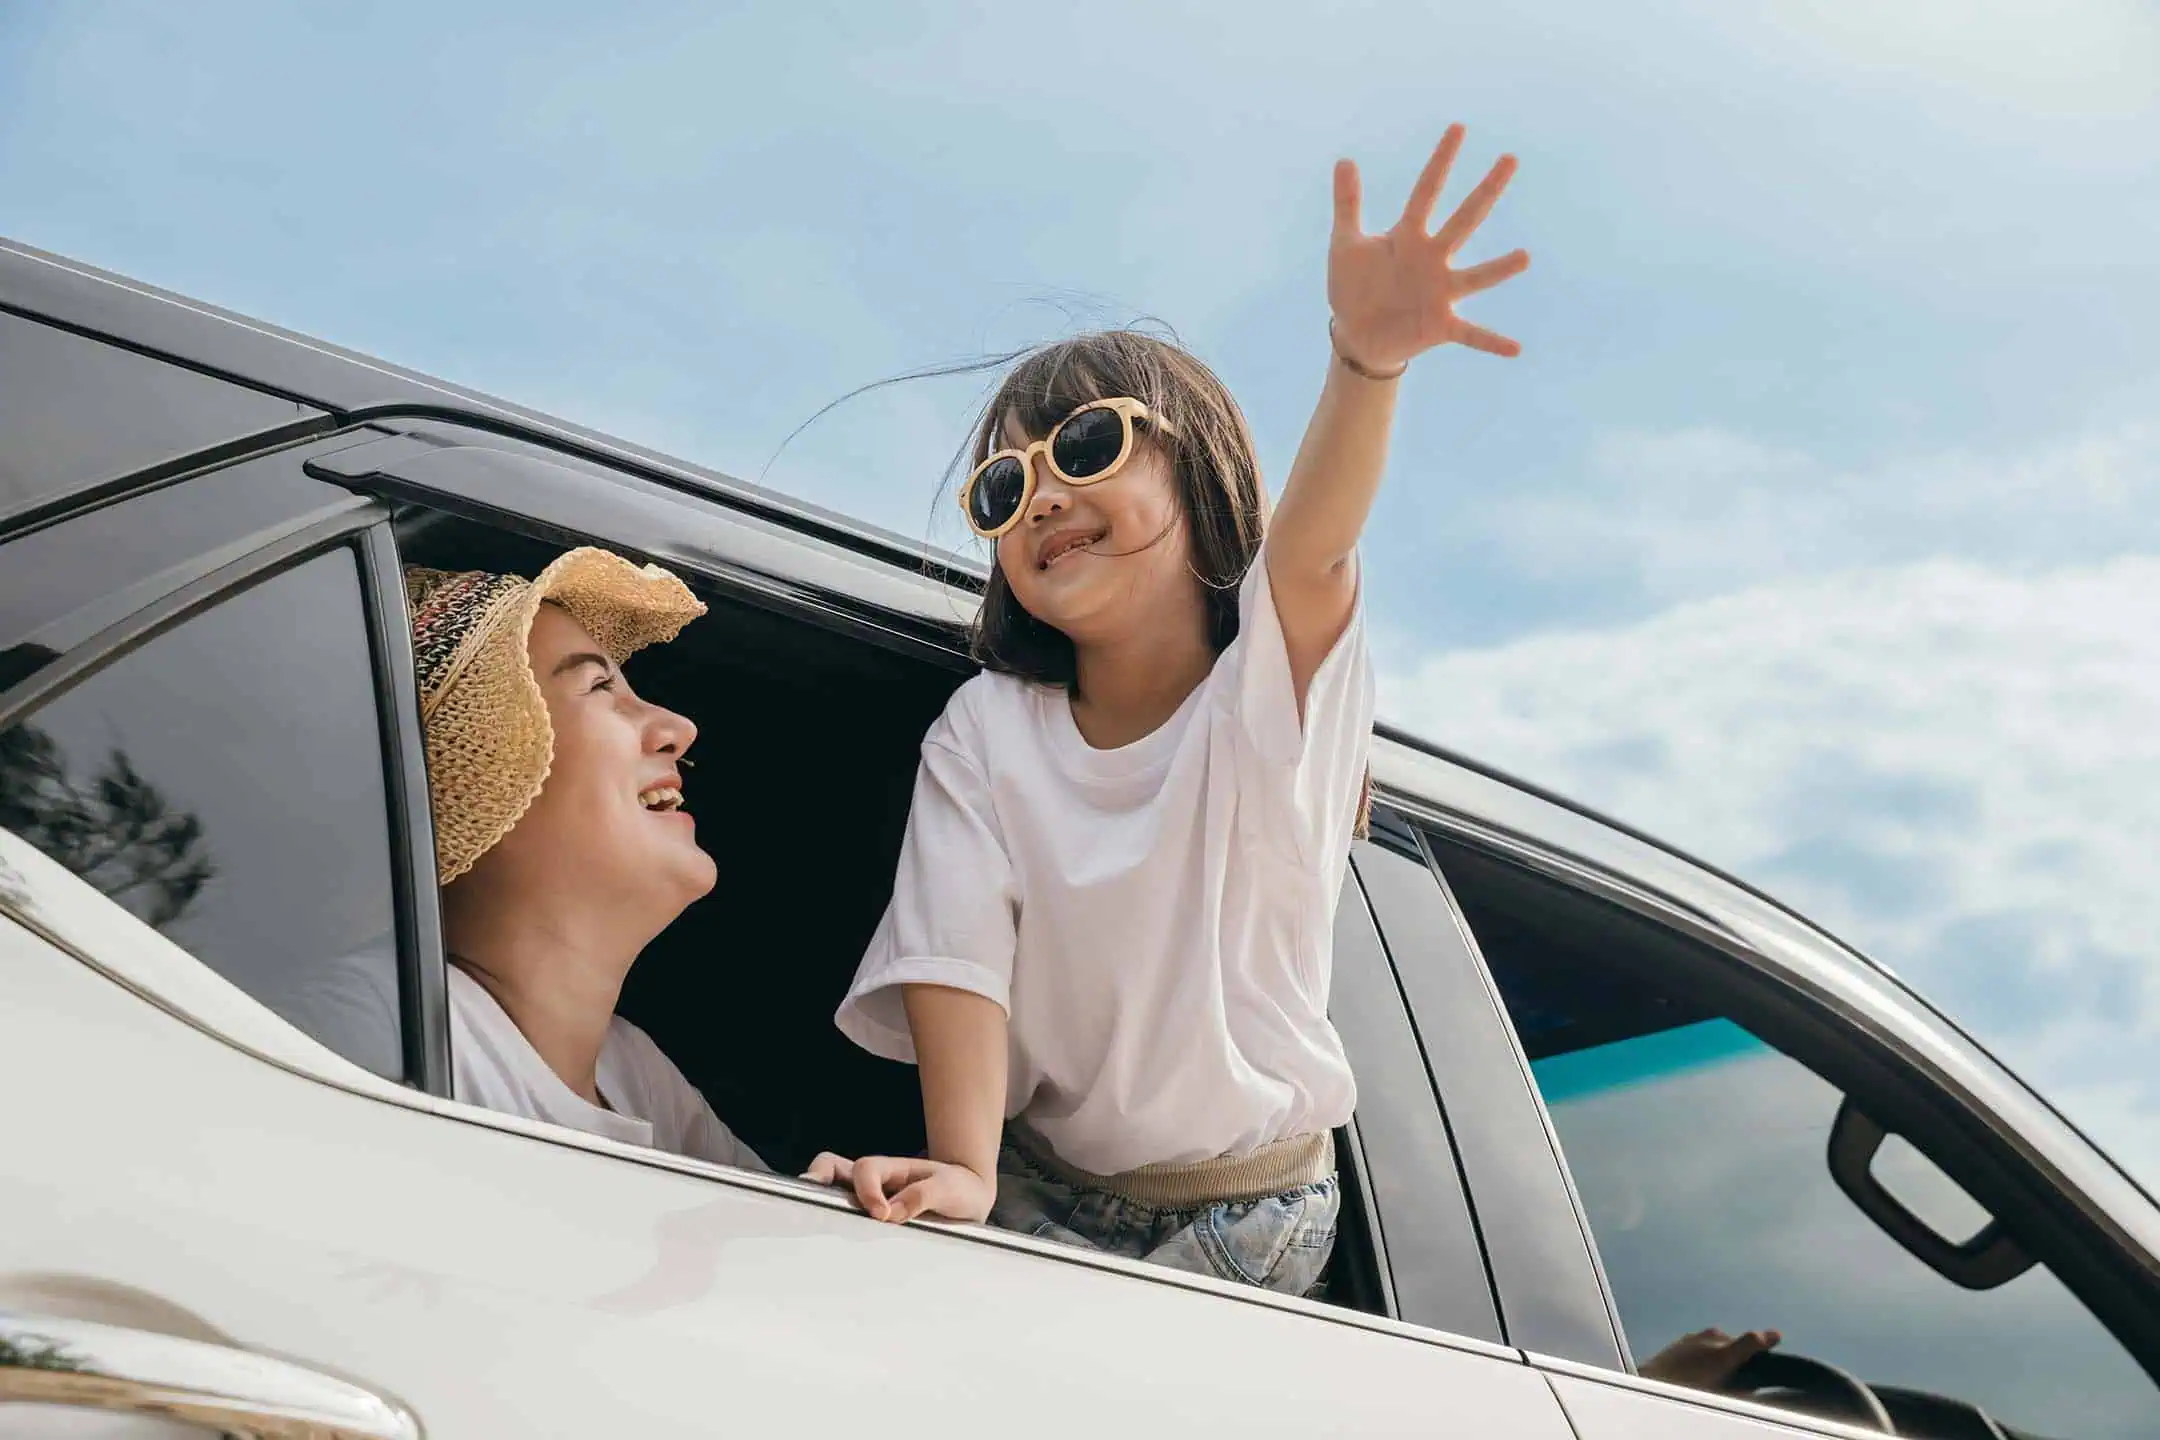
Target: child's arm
x,y
1393,298
960,1049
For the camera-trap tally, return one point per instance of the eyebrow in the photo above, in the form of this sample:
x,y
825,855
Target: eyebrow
x,y
583,657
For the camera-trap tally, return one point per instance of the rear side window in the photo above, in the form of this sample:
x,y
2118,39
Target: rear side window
x,y
225,783
75,411
1701,1149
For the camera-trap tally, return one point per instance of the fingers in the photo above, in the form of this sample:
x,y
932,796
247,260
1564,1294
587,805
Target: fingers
x,y
1483,277
913,1201
1347,190
1477,337
1475,206
896,1190
1418,210
873,1176
1746,1347
829,1169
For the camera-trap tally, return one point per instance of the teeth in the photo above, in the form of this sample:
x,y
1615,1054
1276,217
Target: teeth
x,y
1066,547
661,797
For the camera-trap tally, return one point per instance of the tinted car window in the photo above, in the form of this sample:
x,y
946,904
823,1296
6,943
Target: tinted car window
x,y
61,583
75,411
1700,1154
225,783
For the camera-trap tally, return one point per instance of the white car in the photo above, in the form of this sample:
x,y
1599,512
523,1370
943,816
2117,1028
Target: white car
x,y
1608,1096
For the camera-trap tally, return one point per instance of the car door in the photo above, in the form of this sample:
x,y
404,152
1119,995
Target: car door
x,y
233,1154
1736,1155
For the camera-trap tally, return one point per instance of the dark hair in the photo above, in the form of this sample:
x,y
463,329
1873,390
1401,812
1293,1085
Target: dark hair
x,y
1213,465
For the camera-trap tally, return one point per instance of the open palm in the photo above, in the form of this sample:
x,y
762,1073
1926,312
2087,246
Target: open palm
x,y
1393,294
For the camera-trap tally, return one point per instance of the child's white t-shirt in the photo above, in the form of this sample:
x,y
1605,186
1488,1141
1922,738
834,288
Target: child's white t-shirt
x,y
1157,920
649,1102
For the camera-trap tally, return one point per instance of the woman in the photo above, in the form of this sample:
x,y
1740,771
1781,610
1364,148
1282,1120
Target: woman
x,y
561,841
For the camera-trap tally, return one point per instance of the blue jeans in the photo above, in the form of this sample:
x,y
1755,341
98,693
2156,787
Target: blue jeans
x,y
1278,1242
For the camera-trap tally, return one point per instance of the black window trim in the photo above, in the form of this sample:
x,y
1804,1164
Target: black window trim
x,y
1356,1170
1450,1221
423,982
501,482
1551,1295
98,494
88,495
288,547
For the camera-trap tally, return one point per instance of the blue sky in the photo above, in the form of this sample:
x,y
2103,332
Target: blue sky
x,y
1818,527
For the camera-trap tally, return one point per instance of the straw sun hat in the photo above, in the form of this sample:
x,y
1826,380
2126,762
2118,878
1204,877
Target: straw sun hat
x,y
489,744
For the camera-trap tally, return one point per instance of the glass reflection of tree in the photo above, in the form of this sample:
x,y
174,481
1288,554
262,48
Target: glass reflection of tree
x,y
36,1352
116,831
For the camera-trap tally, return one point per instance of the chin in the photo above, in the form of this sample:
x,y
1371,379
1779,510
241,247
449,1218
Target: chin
x,y
670,877
1065,607
700,878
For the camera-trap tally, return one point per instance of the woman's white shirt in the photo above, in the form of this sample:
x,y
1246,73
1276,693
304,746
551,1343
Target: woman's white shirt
x,y
649,1102
1156,920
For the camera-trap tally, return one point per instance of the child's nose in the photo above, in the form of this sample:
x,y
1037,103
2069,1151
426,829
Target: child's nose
x,y
1051,496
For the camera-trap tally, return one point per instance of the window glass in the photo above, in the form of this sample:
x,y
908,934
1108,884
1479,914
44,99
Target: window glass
x,y
225,783
74,411
1700,1154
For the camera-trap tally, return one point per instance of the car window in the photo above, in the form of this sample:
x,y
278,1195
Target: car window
x,y
1699,1151
225,782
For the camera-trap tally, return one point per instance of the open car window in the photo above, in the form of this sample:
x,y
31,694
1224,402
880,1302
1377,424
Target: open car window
x,y
1703,1157
808,740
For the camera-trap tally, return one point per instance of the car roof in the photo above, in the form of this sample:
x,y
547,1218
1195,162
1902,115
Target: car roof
x,y
1482,801
353,386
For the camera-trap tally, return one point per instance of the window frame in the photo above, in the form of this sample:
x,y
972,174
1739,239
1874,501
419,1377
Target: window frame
x,y
1545,1274
1439,1273
423,981
749,559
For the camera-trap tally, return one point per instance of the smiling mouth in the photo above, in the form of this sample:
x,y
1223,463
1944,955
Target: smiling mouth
x,y
662,798
1065,545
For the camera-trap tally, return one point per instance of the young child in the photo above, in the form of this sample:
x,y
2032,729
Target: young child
x,y
1108,947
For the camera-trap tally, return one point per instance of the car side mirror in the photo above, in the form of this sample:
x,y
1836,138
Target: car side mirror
x,y
1985,1260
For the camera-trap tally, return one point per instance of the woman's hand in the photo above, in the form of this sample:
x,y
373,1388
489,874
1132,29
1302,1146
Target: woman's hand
x,y
1394,294
896,1190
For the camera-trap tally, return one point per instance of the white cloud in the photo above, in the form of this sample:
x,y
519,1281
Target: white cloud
x,y
1702,511
1954,767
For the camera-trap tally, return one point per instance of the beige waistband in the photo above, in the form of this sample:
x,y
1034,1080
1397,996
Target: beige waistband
x,y
1227,1179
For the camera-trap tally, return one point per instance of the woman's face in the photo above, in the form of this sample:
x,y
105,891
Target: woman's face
x,y
1098,562
608,823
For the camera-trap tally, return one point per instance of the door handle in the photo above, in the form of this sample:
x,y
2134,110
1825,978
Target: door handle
x,y
50,1361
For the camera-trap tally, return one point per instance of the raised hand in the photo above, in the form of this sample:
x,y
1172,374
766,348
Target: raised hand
x,y
1393,294
897,1190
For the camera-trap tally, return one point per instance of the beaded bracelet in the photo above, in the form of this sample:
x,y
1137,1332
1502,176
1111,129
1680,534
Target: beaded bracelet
x,y
1354,367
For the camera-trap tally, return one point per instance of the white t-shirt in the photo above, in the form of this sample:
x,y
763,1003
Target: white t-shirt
x,y
1157,920
650,1103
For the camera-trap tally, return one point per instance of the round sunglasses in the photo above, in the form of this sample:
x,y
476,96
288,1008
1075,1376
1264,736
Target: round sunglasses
x,y
1085,448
